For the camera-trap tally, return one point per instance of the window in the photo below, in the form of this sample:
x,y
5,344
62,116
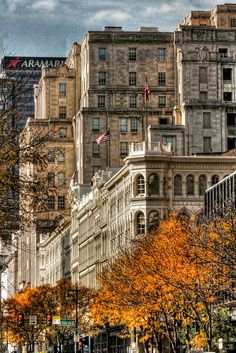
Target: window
x,y
227,74
132,54
227,96
61,202
161,54
132,78
61,179
231,121
215,179
62,132
134,125
203,96
96,168
153,184
140,223
190,185
162,101
62,89
178,185
60,157
223,52
101,101
133,101
51,179
161,79
51,156
203,75
202,185
124,149
102,79
163,121
153,220
233,22
51,202
123,125
95,150
207,144
62,111
140,185
96,124
102,53
206,120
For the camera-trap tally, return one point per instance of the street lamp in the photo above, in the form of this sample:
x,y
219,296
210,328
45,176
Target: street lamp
x,y
75,293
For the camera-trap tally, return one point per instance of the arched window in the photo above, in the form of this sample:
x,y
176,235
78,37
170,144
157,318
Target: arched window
x,y
202,184
140,223
140,185
153,220
153,184
178,185
190,185
215,179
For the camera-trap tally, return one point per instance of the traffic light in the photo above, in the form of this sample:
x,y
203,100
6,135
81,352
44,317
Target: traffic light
x,y
21,320
49,319
84,341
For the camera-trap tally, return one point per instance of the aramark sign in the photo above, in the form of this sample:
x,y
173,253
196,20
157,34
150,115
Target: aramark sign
x,y
29,63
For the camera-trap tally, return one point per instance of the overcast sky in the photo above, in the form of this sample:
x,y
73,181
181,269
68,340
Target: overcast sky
x,y
50,27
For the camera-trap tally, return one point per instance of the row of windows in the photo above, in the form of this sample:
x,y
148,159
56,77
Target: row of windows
x,y
61,202
102,78
123,124
132,54
56,179
124,149
153,184
101,101
227,96
56,156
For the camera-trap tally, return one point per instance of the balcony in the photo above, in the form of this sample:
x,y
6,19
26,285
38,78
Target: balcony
x,y
147,148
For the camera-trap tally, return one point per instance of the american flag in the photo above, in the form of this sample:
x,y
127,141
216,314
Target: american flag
x,y
103,138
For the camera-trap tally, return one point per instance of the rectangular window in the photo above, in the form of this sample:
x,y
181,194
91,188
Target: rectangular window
x,y
95,149
102,53
102,79
133,101
62,89
124,149
51,202
51,179
96,124
206,120
203,75
231,119
162,102
51,156
61,202
227,74
62,111
203,96
123,125
134,125
60,157
62,132
61,179
132,54
161,79
227,96
132,78
161,54
101,101
233,22
223,52
207,145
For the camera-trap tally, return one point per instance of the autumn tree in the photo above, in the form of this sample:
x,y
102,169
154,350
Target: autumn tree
x,y
55,300
167,288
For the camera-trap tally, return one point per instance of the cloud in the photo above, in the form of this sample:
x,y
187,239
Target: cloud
x,y
109,15
44,5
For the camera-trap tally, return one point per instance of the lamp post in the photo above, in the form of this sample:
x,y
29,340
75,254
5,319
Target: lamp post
x,y
75,293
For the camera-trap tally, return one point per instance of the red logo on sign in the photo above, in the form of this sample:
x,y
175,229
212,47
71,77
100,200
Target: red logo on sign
x,y
13,63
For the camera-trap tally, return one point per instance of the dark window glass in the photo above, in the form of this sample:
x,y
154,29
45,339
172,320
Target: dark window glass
x,y
102,53
132,54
